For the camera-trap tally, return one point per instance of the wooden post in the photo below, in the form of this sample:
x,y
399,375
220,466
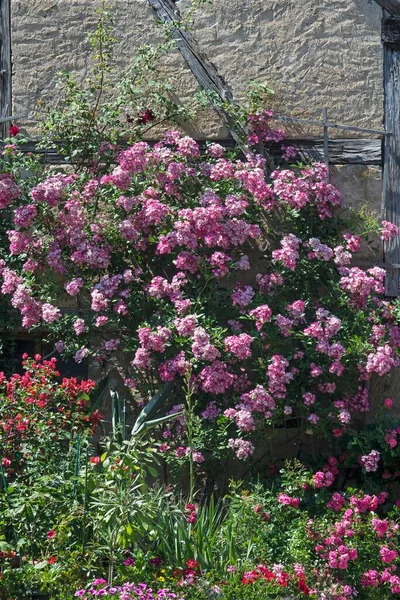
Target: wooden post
x,y
326,135
5,66
391,168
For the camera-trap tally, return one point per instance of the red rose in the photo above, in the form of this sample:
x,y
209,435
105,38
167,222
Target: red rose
x,y
145,116
14,130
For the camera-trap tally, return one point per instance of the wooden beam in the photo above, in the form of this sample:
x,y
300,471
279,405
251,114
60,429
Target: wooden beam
x,y
342,151
391,6
204,71
12,118
391,173
391,31
5,66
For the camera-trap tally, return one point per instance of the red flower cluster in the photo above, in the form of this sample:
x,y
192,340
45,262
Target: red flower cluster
x,y
188,575
35,409
277,576
260,572
145,116
14,130
190,513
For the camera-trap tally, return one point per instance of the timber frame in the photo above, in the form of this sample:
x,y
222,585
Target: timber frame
x,y
391,166
204,71
342,151
390,6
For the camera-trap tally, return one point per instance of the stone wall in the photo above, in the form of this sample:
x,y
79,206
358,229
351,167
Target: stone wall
x,y
313,53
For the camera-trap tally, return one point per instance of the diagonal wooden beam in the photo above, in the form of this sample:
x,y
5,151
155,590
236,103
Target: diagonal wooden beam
x,y
391,6
204,71
5,66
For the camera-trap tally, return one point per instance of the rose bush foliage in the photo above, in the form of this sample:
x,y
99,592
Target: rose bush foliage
x,y
237,291
241,290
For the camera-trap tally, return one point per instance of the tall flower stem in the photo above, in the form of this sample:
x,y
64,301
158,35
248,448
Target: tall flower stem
x,y
190,408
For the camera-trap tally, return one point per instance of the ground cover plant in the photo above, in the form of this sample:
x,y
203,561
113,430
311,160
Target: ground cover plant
x,y
228,299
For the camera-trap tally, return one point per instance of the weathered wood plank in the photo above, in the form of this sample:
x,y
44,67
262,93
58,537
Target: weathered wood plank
x,y
342,151
204,71
391,6
391,173
5,65
391,31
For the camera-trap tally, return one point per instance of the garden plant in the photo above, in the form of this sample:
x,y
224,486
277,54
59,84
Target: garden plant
x,y
231,303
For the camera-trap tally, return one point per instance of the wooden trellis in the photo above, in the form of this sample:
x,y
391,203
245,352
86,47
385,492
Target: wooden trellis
x,y
326,125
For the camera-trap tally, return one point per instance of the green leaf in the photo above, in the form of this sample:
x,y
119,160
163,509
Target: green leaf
x,y
153,471
152,408
4,547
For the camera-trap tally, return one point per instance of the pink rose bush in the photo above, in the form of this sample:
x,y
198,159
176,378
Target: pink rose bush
x,y
210,269
349,539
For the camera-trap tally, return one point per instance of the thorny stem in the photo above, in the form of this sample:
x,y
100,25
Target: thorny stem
x,y
102,67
